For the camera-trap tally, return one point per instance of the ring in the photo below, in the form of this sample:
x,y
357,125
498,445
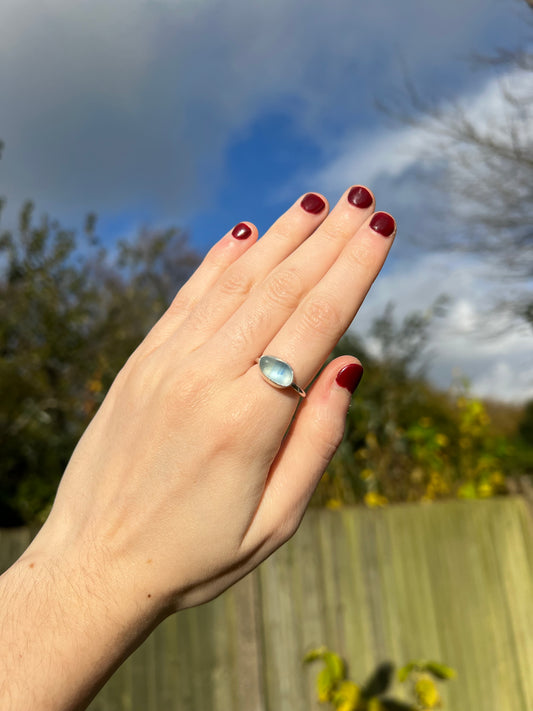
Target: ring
x,y
278,373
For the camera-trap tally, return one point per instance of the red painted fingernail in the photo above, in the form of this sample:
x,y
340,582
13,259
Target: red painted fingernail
x,y
383,223
360,197
241,231
313,203
350,376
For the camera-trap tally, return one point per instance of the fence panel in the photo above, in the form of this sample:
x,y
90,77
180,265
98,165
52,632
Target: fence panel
x,y
450,581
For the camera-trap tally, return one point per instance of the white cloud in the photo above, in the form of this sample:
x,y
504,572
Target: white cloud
x,y
497,361
132,104
388,153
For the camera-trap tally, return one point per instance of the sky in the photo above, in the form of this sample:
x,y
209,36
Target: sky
x,y
203,113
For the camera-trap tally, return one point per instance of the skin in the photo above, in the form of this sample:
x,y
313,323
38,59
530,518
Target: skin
x,y
194,469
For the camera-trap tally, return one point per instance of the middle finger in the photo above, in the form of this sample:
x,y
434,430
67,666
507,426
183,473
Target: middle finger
x,y
316,241
339,244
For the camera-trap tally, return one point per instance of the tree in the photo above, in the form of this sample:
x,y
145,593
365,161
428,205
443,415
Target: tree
x,y
71,312
487,173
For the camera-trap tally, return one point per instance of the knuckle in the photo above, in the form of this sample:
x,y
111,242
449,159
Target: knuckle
x,y
280,233
320,315
236,283
361,257
284,288
244,333
186,392
329,234
234,418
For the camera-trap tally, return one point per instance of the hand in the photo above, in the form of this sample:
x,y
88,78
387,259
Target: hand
x,y
195,468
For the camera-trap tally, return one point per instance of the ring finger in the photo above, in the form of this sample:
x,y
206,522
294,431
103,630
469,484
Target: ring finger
x,y
309,301
311,332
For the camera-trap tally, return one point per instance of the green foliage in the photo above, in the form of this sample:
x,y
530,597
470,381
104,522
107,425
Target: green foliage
x,y
422,675
334,688
407,441
526,425
331,676
438,670
331,683
73,309
71,312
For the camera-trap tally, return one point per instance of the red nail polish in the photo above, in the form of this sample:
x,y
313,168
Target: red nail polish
x,y
313,203
360,197
350,376
241,231
383,223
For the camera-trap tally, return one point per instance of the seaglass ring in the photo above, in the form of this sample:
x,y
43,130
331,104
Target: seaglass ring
x,y
278,373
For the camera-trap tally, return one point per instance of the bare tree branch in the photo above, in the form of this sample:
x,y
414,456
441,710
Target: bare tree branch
x,y
483,160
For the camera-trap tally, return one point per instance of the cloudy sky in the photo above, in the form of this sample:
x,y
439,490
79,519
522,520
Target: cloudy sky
x,y
203,113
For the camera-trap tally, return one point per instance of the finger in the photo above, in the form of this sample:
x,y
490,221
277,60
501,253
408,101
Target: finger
x,y
267,308
218,260
235,284
311,332
313,438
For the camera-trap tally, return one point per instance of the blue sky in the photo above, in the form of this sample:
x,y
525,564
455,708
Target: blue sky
x,y
202,113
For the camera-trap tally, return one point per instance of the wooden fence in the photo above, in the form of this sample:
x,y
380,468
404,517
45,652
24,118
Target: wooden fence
x,y
449,581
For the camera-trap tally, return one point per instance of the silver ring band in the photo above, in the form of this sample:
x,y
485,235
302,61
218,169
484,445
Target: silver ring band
x,y
278,373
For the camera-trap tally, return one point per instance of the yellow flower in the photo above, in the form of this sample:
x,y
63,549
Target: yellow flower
x,y
347,696
374,500
427,693
485,490
441,439
371,440
95,386
497,479
438,484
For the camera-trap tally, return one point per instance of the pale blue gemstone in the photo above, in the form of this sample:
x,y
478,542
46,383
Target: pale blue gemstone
x,y
276,371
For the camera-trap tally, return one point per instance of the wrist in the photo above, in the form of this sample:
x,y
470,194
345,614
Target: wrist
x,y
67,625
104,584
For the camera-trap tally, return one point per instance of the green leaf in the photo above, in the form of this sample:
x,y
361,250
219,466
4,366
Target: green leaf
x,y
467,491
315,654
441,671
324,685
404,672
346,696
335,665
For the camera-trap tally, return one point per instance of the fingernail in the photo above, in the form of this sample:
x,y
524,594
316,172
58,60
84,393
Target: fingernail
x,y
350,376
313,203
241,231
360,197
383,223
